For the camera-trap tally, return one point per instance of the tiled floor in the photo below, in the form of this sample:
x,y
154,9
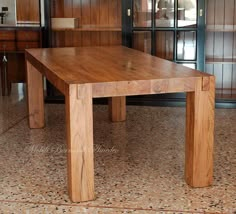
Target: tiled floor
x,y
139,164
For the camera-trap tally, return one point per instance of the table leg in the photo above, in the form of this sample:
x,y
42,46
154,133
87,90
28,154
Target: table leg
x,y
35,97
79,122
117,109
200,134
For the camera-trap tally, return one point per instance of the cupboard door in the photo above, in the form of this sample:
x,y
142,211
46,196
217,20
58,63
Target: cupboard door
x,y
170,29
28,11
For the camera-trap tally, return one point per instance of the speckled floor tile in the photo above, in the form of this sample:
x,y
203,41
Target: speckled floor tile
x,y
31,208
12,109
139,164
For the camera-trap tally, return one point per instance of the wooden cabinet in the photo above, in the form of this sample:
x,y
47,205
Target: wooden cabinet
x,y
99,22
167,29
27,39
221,46
13,42
7,35
7,40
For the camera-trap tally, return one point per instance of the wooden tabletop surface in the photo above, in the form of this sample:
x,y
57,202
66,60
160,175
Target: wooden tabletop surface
x,y
106,64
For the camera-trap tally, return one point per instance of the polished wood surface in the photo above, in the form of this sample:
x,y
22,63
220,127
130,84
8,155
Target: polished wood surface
x,y
199,134
112,64
35,95
116,72
79,123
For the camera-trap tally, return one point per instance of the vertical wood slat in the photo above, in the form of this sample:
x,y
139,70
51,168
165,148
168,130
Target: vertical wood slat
x,y
76,9
95,15
68,11
57,8
85,12
210,15
209,44
77,41
85,20
95,39
219,12
86,39
112,15
104,12
229,12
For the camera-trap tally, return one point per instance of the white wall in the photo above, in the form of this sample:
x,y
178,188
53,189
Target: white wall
x,y
11,17
42,12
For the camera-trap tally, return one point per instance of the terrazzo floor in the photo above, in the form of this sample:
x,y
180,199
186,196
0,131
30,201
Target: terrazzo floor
x,y
139,164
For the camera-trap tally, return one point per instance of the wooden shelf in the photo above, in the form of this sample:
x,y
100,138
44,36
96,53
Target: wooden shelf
x,y
91,29
226,93
220,61
221,28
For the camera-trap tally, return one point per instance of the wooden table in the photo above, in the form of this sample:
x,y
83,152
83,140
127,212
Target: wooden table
x,y
87,72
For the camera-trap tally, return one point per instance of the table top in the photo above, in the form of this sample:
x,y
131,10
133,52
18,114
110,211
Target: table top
x,y
107,64
114,71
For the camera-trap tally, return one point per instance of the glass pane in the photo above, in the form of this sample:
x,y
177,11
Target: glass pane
x,y
186,45
187,13
164,10
165,44
142,41
142,13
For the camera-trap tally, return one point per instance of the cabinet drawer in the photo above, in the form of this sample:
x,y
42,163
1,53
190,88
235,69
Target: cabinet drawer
x,y
21,46
7,46
7,35
26,35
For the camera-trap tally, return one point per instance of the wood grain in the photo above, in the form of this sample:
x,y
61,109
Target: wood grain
x,y
99,21
100,65
200,135
68,8
79,123
14,41
35,96
117,109
57,8
28,11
